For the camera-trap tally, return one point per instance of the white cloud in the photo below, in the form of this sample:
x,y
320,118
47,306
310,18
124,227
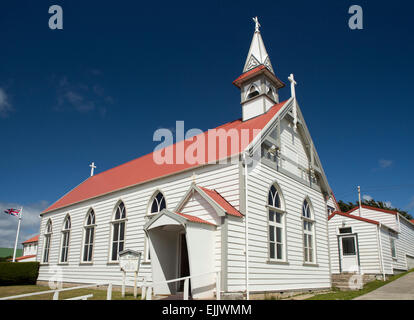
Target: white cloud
x,y
5,106
367,197
388,204
82,97
385,163
29,227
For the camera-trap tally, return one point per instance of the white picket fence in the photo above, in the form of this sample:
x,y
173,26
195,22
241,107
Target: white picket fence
x,y
57,291
147,288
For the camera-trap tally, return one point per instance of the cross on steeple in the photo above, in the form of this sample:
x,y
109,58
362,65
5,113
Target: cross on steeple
x,y
293,83
257,26
92,165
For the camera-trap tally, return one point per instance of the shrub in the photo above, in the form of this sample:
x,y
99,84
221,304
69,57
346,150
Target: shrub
x,y
18,273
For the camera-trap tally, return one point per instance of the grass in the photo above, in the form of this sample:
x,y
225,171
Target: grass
x,y
7,291
336,294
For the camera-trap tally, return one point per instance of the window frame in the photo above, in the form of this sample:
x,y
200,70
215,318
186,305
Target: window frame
x,y
310,221
113,223
65,240
87,227
47,238
393,247
149,215
281,225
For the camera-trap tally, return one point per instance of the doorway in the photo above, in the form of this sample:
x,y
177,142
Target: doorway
x,y
184,267
349,253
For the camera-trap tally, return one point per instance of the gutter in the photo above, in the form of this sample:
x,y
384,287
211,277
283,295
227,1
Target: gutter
x,y
246,225
380,248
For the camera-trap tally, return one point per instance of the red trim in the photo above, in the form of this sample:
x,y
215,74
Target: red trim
x,y
194,219
352,217
34,239
219,199
373,208
248,74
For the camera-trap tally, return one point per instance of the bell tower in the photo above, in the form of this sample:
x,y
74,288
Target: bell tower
x,y
258,84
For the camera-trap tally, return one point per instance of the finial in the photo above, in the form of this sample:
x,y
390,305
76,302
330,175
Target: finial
x,y
293,83
293,94
257,26
92,165
194,177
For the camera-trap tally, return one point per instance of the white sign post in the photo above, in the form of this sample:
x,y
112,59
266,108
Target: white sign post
x,y
129,261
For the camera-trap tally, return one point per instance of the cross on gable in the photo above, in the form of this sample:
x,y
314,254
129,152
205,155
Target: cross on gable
x,y
93,167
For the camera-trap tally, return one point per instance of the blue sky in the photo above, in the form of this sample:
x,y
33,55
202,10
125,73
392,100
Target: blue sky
x,y
98,89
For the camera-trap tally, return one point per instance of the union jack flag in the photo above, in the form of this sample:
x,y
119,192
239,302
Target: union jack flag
x,y
13,212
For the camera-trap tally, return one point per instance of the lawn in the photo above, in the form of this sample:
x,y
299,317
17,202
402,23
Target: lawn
x,y
97,294
349,295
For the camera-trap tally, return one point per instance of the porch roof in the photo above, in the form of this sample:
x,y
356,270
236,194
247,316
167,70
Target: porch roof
x,y
181,218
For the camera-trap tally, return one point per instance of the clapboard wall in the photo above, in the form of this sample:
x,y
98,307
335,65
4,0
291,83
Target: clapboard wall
x,y
368,246
223,178
265,275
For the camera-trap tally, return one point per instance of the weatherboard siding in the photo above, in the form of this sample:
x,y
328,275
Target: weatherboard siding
x,y
367,244
266,276
389,219
223,178
405,242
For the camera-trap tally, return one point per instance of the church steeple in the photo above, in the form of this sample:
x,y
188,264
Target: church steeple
x,y
258,84
257,52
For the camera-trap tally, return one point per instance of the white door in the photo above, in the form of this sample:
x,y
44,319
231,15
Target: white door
x,y
349,253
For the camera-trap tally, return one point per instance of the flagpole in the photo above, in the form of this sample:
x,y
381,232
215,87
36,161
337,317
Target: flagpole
x,y
17,235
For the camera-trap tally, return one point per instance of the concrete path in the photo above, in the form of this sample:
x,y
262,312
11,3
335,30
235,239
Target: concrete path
x,y
400,289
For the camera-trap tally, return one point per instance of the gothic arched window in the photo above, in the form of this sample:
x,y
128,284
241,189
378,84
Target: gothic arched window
x,y
118,230
158,203
276,222
253,92
46,243
89,236
308,232
65,240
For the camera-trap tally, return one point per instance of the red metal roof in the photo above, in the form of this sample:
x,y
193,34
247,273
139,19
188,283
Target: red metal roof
x,y
352,217
194,219
218,198
34,239
144,169
248,74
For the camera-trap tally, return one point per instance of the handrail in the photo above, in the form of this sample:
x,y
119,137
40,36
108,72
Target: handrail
x,y
147,287
57,291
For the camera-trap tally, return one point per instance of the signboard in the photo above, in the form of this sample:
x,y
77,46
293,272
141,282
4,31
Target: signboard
x,y
129,260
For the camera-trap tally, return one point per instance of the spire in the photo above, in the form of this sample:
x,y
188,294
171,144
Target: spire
x,y
257,52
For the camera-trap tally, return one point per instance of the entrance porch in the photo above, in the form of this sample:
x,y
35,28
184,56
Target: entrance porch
x,y
181,245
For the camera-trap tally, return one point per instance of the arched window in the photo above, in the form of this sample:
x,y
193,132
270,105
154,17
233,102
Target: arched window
x,y
157,204
276,221
308,232
65,240
89,235
271,93
46,244
118,231
253,92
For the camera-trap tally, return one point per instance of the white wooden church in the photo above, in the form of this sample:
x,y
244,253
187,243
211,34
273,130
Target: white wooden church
x,y
257,212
